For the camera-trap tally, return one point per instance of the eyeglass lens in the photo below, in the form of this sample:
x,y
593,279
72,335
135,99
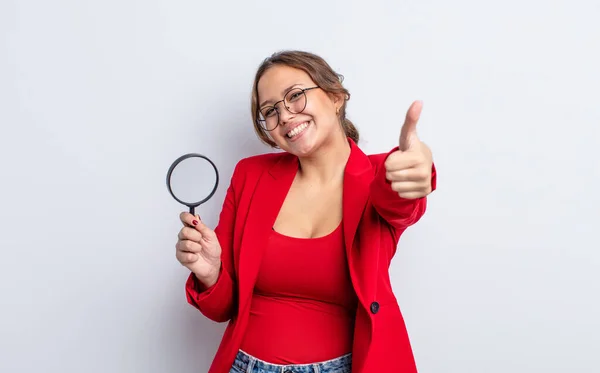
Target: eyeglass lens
x,y
294,101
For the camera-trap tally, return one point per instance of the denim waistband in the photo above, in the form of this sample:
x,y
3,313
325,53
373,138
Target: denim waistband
x,y
249,364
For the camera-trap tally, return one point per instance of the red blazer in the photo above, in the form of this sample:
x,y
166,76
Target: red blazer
x,y
374,217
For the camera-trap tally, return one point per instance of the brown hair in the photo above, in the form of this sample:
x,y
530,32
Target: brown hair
x,y
319,71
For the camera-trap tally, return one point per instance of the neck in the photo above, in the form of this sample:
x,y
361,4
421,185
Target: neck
x,y
328,164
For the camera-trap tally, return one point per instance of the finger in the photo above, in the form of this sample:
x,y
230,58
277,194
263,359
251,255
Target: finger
x,y
188,219
189,233
408,186
412,195
188,246
205,231
400,161
408,134
408,174
185,257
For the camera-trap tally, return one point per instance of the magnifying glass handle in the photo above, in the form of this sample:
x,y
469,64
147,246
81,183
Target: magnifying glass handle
x,y
192,210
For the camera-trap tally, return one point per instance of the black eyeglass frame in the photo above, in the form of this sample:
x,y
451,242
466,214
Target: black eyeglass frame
x,y
262,123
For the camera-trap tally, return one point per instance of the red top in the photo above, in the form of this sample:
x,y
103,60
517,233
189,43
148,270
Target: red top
x,y
303,306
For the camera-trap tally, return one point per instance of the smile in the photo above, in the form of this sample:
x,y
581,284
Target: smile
x,y
297,130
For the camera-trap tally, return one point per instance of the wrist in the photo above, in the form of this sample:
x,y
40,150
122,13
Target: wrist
x,y
210,279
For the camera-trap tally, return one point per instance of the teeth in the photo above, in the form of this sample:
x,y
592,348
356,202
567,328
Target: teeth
x,y
297,130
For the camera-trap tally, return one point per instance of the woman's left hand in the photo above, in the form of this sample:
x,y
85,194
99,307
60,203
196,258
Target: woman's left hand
x,y
409,168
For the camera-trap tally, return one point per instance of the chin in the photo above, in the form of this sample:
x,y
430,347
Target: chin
x,y
303,152
303,149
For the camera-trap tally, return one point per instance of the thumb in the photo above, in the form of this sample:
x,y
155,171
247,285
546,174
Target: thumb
x,y
206,232
408,134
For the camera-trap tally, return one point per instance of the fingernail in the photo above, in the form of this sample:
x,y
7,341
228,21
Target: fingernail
x,y
195,222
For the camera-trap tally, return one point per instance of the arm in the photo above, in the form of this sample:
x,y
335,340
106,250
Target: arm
x,y
404,177
217,302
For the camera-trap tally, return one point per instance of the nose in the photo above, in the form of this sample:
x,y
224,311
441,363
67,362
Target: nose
x,y
285,115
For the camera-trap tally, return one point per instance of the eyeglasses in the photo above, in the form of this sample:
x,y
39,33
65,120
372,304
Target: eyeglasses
x,y
294,102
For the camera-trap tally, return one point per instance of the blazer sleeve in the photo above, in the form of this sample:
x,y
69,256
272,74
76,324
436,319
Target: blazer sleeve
x,y
218,301
399,212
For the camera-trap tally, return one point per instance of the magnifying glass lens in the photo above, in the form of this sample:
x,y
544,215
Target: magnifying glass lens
x,y
192,180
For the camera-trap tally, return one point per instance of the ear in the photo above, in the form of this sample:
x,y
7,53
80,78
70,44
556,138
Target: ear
x,y
338,101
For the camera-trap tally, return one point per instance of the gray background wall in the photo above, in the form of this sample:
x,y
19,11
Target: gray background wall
x,y
98,98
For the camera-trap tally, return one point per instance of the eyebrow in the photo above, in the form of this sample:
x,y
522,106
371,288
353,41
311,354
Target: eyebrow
x,y
282,93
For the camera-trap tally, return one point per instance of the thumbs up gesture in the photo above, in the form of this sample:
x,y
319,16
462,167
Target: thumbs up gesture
x,y
409,168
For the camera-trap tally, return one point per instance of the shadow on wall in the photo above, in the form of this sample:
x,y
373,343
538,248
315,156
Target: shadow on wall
x,y
201,338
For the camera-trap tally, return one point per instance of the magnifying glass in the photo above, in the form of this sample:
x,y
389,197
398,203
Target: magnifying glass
x,y
192,180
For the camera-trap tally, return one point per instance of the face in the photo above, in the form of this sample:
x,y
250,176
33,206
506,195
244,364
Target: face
x,y
298,133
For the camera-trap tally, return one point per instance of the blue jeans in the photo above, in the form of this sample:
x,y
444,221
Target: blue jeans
x,y
245,363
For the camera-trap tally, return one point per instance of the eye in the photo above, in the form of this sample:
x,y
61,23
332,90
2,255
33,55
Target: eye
x,y
268,112
294,96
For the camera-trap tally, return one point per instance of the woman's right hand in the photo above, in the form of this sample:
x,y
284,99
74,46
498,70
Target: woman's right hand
x,y
198,249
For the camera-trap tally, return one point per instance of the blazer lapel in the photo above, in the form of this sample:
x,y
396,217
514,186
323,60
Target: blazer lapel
x,y
355,195
272,188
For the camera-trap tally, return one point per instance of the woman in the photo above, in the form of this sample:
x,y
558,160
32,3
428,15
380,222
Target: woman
x,y
298,263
